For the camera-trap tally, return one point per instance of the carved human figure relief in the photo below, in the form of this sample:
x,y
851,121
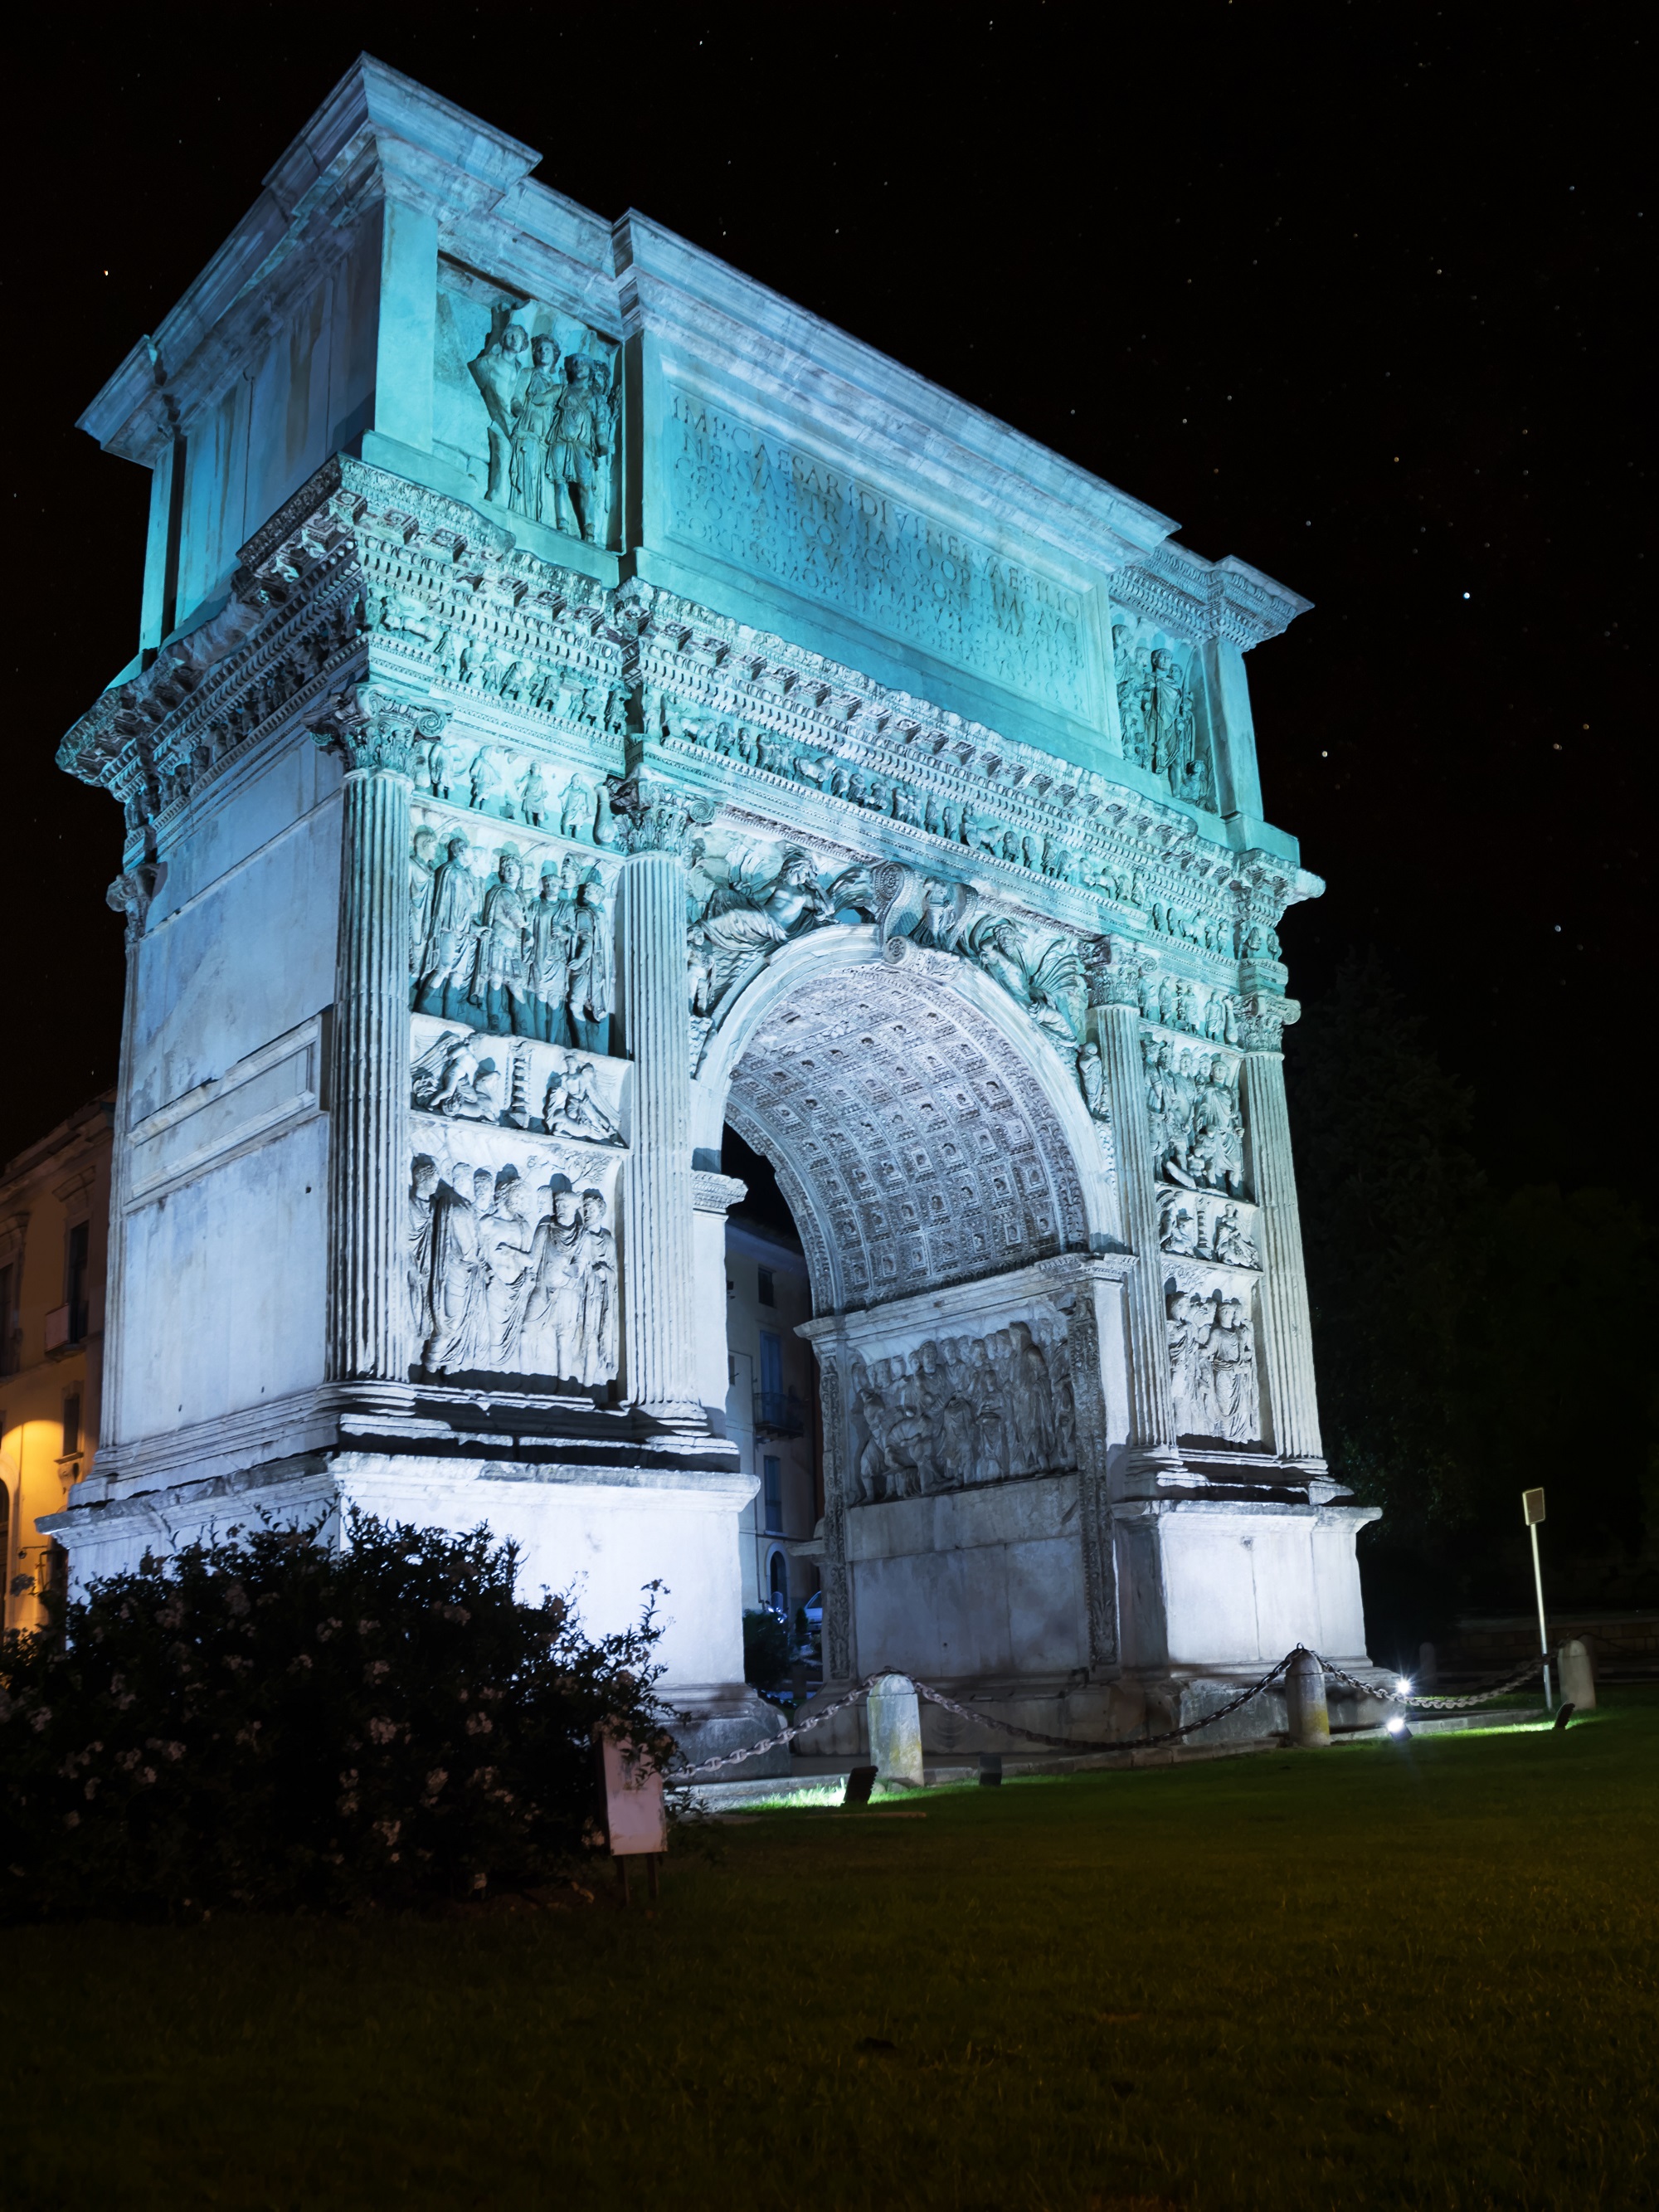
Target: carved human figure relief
x,y
549,936
570,1108
499,986
533,490
1091,1077
498,372
960,1410
423,866
452,936
507,1280
1212,1365
456,1078
589,1000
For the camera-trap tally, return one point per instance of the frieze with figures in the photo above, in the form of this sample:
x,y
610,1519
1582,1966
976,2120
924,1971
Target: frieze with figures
x,y
961,1410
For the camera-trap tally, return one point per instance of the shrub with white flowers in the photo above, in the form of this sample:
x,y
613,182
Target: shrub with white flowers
x,y
279,1723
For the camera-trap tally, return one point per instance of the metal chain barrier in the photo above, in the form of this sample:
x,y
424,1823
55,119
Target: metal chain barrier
x,y
1604,1642
1118,1743
1083,1745
1428,1704
770,1742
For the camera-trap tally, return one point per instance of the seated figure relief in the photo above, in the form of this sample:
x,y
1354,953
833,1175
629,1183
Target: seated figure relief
x,y
457,1076
1193,1110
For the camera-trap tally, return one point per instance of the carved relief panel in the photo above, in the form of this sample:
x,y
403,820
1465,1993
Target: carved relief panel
x,y
1213,1372
508,935
962,1410
526,402
512,1258
1159,679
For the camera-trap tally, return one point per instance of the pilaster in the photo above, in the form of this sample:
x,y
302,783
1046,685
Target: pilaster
x,y
1286,1327
130,894
374,732
658,1195
1115,1011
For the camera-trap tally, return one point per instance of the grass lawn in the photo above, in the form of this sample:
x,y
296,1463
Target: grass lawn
x,y
1418,1974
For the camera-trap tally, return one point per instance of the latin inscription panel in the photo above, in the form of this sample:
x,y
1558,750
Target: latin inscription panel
x,y
784,515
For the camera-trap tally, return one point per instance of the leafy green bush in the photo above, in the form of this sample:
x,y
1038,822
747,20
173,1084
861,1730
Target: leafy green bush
x,y
273,1723
765,1648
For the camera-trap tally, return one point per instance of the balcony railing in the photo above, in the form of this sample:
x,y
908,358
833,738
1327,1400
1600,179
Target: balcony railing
x,y
779,1414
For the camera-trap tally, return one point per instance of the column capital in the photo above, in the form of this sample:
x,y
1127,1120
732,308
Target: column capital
x,y
372,728
131,895
657,817
1115,966
1262,1020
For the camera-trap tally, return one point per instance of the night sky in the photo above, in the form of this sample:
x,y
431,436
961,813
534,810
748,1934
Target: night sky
x,y
1355,292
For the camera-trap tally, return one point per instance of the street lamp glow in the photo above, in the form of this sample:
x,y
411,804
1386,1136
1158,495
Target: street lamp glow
x,y
1402,1685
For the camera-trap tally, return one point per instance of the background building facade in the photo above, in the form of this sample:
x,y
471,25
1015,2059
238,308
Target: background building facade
x,y
54,1230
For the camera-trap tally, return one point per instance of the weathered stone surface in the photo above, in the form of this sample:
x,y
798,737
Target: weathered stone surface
x,y
639,709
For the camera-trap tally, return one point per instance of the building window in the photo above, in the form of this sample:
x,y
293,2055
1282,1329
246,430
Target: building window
x,y
76,1251
71,1422
9,1318
767,1292
777,1576
772,1485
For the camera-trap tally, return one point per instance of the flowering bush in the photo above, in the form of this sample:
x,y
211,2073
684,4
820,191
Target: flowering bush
x,y
273,1723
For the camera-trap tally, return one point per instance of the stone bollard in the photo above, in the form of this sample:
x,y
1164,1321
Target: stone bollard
x,y
1578,1676
1304,1702
895,1729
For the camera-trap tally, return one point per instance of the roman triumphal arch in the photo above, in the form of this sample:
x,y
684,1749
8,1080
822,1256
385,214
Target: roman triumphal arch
x,y
580,702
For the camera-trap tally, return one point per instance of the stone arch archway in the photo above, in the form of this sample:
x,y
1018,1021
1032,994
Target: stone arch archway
x,y
958,1210
925,1132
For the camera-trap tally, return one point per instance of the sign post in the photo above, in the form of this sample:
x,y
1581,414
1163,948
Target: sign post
x,y
636,1824
1532,1504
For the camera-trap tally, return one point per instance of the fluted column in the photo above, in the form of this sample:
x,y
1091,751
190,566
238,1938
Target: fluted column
x,y
375,734
1115,1012
130,894
1286,1327
659,1262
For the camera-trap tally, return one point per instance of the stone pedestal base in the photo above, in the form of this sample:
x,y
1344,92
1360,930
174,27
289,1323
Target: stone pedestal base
x,y
598,1534
1232,1583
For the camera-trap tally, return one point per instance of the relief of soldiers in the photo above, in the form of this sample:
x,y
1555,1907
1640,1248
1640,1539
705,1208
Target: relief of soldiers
x,y
589,1001
962,1412
452,936
500,987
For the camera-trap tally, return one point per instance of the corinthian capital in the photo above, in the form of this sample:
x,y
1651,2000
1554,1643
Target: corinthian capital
x,y
370,728
652,816
1263,1019
1114,968
131,894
